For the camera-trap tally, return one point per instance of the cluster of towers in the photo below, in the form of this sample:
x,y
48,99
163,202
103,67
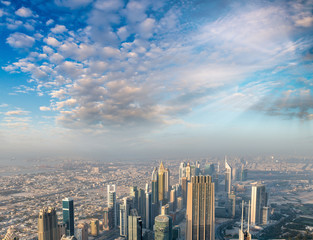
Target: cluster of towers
x,y
152,213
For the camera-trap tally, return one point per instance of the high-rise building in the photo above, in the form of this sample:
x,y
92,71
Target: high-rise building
x,y
264,215
164,182
134,194
182,171
227,177
184,190
163,228
232,205
200,213
94,227
124,213
134,226
188,172
81,232
47,224
112,202
244,235
155,186
173,199
148,211
176,232
68,215
11,234
108,219
61,230
180,203
142,205
258,201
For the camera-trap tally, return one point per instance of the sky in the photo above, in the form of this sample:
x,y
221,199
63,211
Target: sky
x,y
144,79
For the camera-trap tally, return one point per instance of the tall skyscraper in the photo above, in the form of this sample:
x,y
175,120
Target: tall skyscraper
x,y
188,172
142,204
68,215
227,177
112,202
134,194
108,219
244,235
155,186
81,232
182,171
163,228
173,199
164,182
184,190
258,201
134,226
47,224
124,213
148,211
200,213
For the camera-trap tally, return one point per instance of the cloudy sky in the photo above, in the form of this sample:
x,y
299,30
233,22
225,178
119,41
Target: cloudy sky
x,y
114,79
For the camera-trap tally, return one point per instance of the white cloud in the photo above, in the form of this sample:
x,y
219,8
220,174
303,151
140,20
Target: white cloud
x,y
16,113
146,27
44,108
56,58
59,29
4,105
305,22
24,12
52,41
20,40
7,3
1,12
49,22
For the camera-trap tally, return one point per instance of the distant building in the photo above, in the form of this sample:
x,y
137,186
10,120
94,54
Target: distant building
x,y
11,234
124,213
108,218
111,191
264,215
228,177
61,230
81,232
148,219
68,215
134,195
94,227
134,226
176,232
47,224
163,228
184,190
182,171
173,199
232,204
142,205
180,203
200,213
258,201
155,186
163,184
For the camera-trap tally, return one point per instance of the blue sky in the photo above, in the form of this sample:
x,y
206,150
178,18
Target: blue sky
x,y
144,79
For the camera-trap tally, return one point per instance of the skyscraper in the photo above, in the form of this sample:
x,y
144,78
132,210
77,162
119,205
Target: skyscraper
x,y
112,202
184,190
163,184
142,204
148,211
227,177
47,224
134,194
155,186
200,213
134,226
124,213
258,201
173,199
182,171
81,233
163,228
108,219
68,215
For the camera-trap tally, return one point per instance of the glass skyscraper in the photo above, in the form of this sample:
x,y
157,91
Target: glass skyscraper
x,y
68,215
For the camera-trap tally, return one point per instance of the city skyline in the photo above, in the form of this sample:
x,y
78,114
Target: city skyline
x,y
139,79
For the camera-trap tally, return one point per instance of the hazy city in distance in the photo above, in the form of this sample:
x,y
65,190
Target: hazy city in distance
x,y
156,120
